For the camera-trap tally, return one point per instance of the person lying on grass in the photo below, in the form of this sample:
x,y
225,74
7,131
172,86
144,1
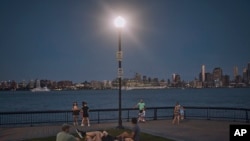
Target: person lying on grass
x,y
134,136
103,136
95,136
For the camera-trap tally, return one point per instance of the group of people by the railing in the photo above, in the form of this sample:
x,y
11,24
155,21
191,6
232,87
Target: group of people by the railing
x,y
64,135
83,111
98,135
178,113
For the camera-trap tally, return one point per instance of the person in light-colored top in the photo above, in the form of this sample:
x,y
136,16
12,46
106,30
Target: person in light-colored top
x,y
141,105
176,113
64,134
182,112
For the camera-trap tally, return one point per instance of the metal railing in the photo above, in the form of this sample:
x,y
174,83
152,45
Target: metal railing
x,y
33,118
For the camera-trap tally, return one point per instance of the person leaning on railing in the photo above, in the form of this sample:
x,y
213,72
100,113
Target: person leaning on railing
x,y
176,113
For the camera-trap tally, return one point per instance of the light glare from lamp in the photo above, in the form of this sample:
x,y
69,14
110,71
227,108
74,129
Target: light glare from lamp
x,y
119,22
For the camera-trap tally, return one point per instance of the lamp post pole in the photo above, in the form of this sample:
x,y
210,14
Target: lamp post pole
x,y
119,23
120,78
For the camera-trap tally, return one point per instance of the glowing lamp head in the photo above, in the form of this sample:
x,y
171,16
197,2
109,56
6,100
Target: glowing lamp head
x,y
119,22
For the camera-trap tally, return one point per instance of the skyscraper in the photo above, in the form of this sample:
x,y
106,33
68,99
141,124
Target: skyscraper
x,y
203,73
248,71
217,77
173,77
217,74
245,75
235,72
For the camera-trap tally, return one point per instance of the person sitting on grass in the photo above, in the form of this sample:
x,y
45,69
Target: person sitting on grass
x,y
134,136
64,135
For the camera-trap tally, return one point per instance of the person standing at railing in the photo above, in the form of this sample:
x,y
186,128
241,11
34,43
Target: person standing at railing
x,y
141,105
141,116
85,114
176,113
64,135
75,113
182,112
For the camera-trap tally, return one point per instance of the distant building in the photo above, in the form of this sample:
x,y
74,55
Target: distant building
x,y
217,77
203,73
173,77
238,79
217,74
107,84
66,84
31,84
248,72
208,77
209,80
97,85
225,80
235,72
245,80
176,82
138,77
144,79
22,85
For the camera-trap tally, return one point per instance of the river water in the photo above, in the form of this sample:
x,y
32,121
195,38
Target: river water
x,y
102,99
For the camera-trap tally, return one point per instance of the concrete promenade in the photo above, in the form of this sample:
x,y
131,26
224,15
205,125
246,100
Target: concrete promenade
x,y
187,130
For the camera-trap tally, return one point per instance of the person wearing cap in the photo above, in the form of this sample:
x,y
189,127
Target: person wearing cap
x,y
64,135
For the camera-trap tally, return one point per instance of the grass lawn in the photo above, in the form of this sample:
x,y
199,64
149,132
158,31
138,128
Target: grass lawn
x,y
113,132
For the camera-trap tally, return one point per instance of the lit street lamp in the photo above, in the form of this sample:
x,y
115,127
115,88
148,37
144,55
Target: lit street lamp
x,y
119,23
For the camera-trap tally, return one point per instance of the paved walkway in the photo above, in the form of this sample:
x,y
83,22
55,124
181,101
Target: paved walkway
x,y
188,130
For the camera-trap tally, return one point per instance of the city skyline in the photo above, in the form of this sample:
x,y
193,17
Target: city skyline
x,y
76,40
202,72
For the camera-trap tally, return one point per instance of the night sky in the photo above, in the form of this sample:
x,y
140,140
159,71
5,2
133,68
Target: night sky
x,y
77,40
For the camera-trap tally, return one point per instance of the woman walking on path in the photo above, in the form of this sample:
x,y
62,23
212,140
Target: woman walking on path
x,y
176,113
85,114
75,113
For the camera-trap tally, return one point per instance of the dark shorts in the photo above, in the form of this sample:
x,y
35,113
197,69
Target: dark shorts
x,y
85,115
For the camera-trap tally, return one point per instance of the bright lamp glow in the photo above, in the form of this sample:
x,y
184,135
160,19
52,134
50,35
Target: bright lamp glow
x,y
119,22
